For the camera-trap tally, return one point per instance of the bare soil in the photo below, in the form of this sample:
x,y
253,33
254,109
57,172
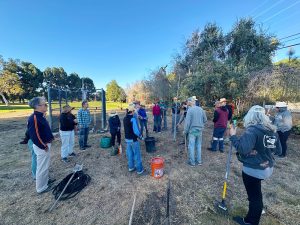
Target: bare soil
x,y
109,196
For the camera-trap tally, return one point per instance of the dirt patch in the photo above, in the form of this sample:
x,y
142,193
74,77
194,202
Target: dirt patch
x,y
109,196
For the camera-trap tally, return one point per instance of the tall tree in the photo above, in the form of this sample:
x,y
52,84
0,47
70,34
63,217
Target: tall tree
x,y
113,91
9,85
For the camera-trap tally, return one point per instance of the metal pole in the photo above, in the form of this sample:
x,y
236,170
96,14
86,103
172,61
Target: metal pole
x,y
59,100
174,136
66,96
49,107
103,99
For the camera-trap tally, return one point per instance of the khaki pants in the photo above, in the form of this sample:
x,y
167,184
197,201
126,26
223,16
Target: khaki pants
x,y
42,171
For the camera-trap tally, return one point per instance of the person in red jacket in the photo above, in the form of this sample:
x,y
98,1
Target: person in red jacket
x,y
157,117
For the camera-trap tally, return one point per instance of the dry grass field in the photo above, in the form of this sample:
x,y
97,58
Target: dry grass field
x,y
109,196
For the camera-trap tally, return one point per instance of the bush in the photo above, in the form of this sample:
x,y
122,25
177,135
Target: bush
x,y
296,130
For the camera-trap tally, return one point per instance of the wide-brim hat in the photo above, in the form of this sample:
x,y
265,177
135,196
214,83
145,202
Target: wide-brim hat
x,y
223,100
194,97
280,104
67,109
191,99
131,107
113,113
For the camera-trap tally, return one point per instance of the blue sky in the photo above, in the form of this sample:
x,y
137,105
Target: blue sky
x,y
125,39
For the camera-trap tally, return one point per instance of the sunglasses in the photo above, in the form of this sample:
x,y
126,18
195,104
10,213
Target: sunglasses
x,y
44,104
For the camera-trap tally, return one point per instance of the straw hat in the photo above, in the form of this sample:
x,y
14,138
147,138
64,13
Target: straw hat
x,y
131,107
67,109
223,100
280,104
113,113
194,97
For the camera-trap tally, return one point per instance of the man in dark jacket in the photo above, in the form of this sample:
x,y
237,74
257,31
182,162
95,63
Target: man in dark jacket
x,y
66,131
221,116
41,136
114,124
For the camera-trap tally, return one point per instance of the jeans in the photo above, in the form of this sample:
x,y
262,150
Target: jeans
x,y
143,124
134,157
253,188
218,139
113,138
165,119
42,170
157,123
33,159
174,123
283,136
83,137
67,142
195,141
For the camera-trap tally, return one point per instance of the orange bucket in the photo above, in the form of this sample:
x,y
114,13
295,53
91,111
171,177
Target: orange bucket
x,y
157,167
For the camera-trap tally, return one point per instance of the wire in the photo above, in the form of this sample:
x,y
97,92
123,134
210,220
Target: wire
x,y
258,7
288,46
292,39
289,36
263,12
276,14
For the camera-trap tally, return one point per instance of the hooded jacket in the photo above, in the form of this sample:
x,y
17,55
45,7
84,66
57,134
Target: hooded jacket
x,y
283,120
255,148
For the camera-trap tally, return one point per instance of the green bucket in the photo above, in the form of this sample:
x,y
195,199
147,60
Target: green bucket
x,y
105,142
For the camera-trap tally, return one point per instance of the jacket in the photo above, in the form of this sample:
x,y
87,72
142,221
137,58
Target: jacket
x,y
255,148
67,121
195,119
221,116
39,130
283,120
114,124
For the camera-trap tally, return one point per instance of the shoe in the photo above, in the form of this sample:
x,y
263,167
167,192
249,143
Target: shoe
x,y
72,154
82,149
210,149
142,173
65,160
221,150
198,163
50,181
131,169
190,164
281,157
49,188
87,146
23,142
240,220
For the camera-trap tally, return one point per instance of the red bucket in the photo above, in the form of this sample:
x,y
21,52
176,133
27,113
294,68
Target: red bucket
x,y
157,167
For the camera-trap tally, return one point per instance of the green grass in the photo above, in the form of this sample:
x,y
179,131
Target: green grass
x,y
77,105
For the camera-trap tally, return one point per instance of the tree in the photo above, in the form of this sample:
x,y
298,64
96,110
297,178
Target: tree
x,y
113,91
55,77
9,85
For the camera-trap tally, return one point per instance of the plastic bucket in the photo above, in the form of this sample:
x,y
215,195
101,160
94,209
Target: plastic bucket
x,y
157,167
105,142
150,144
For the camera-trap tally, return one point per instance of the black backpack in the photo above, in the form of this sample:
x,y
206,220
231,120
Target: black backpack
x,y
78,182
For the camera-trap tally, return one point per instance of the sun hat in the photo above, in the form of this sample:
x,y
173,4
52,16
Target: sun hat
x,y
131,107
195,98
67,109
113,113
223,100
191,99
280,104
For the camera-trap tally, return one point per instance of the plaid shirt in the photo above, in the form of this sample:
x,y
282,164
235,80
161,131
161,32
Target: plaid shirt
x,y
84,118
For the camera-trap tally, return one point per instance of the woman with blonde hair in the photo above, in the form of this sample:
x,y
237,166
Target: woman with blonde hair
x,y
255,149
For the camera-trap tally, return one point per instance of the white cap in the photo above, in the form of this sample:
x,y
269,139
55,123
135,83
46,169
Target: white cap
x,y
280,104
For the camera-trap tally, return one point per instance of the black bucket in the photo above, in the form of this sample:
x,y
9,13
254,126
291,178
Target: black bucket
x,y
150,144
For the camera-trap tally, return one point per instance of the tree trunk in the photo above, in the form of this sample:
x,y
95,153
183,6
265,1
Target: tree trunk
x,y
4,99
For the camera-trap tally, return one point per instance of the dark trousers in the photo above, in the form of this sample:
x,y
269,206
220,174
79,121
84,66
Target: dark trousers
x,y
83,137
143,124
253,188
113,138
283,136
157,123
218,138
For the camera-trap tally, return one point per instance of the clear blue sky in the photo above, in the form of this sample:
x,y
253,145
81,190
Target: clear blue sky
x,y
124,39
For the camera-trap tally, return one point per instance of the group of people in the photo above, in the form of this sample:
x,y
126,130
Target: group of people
x,y
264,136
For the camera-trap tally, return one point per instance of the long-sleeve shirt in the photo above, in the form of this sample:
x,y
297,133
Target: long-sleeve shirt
x,y
67,122
195,119
84,118
39,130
156,110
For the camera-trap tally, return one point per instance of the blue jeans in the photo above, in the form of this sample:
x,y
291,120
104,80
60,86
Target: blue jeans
x,y
218,139
174,123
143,124
134,157
33,159
195,141
83,136
157,123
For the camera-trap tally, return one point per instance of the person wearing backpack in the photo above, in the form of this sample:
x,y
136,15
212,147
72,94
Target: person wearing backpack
x,y
255,149
114,124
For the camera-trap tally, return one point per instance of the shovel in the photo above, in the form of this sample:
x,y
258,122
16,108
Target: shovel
x,y
76,169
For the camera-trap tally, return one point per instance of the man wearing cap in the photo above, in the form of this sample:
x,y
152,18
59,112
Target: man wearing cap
x,y
84,120
67,124
221,116
193,126
41,135
283,122
132,133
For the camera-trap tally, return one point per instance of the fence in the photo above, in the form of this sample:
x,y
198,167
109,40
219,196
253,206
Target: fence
x,y
57,98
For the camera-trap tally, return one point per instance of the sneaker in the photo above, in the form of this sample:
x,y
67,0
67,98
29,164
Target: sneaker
x,y
65,160
190,164
221,150
198,163
87,146
72,154
210,149
131,169
24,142
82,149
50,181
142,173
240,220
49,188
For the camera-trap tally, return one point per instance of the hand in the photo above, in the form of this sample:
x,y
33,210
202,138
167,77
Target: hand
x,y
75,120
232,130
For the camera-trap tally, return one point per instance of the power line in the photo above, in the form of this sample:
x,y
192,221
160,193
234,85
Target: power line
x,y
281,11
258,7
292,39
272,6
288,46
289,36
